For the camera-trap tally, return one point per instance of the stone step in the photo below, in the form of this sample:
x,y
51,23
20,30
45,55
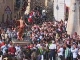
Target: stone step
x,y
24,42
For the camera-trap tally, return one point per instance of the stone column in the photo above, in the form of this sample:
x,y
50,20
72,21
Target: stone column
x,y
73,22
46,1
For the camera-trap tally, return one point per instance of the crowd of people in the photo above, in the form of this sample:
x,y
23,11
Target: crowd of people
x,y
52,40
36,16
48,41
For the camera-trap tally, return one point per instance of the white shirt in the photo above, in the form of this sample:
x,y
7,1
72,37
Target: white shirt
x,y
9,45
40,37
79,53
61,52
74,51
65,23
17,50
52,46
0,41
46,45
1,57
38,45
43,11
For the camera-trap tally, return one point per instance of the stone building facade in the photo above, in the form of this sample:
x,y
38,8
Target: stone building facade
x,y
6,10
74,17
9,9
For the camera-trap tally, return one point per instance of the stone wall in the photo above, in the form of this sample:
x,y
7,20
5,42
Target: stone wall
x,y
6,9
73,21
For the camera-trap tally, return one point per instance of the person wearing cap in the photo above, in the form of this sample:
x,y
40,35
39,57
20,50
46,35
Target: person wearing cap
x,y
52,49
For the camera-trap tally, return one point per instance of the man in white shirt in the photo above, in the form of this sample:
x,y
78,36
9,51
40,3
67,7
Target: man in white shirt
x,y
74,52
60,52
52,49
18,52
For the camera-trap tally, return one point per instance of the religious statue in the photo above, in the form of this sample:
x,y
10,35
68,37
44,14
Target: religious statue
x,y
20,27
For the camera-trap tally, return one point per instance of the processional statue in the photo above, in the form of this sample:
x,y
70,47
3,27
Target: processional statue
x,y
20,27
73,20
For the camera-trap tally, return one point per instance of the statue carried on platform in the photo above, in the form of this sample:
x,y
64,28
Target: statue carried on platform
x,y
20,27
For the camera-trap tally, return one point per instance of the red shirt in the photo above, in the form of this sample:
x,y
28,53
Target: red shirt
x,y
12,50
30,20
2,44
